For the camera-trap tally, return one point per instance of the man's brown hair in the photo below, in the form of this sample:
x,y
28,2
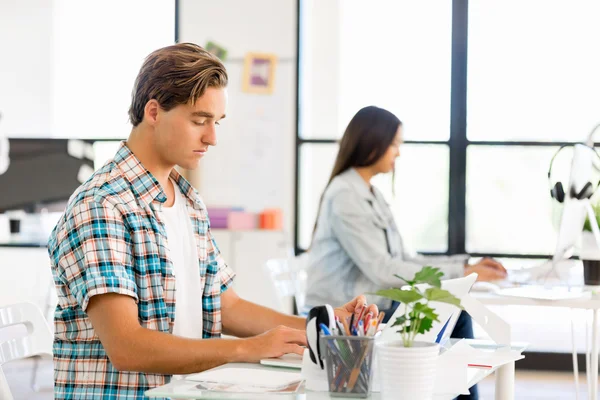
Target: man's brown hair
x,y
175,75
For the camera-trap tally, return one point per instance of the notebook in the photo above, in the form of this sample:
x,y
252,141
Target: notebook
x,y
285,361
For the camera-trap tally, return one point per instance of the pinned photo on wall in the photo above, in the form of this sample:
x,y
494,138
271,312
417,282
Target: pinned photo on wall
x,y
216,49
259,73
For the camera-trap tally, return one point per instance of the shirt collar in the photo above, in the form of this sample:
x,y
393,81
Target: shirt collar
x,y
144,185
358,183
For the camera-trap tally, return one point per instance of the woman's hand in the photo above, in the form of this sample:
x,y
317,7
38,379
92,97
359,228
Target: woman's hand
x,y
487,270
357,307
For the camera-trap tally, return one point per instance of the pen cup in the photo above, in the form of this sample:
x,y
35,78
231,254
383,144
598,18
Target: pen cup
x,y
349,362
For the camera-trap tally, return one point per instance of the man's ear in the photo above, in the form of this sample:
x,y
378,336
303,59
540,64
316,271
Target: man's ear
x,y
151,111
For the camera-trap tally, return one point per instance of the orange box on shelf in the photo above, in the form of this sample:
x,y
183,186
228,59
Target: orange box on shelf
x,y
271,219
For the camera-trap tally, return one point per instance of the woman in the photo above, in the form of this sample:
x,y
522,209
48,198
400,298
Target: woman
x,y
356,245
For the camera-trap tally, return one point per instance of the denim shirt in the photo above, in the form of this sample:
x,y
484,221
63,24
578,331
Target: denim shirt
x,y
357,247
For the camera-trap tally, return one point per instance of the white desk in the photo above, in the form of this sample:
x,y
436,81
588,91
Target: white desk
x,y
592,304
182,389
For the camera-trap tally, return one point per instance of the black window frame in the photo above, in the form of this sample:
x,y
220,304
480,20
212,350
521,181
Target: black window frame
x,y
458,142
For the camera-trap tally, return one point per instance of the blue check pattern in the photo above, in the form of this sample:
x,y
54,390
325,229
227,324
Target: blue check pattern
x,y
111,239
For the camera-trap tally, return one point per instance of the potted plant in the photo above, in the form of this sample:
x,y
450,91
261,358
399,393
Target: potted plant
x,y
590,252
407,367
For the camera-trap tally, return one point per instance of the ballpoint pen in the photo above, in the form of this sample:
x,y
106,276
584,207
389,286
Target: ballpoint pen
x,y
368,320
325,329
371,330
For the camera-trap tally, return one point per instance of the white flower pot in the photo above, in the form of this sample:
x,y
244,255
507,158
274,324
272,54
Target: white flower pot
x,y
407,372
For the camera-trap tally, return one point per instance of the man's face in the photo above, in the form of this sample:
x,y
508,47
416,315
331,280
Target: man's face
x,y
184,134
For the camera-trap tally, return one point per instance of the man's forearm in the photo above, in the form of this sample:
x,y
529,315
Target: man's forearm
x,y
244,319
149,351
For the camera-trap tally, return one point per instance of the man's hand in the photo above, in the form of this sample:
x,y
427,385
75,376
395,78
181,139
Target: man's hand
x,y
487,270
356,307
274,343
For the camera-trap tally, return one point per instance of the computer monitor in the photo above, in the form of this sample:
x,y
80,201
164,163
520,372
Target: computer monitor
x,y
44,171
574,211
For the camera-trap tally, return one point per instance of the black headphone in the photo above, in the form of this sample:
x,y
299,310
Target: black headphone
x,y
317,316
558,190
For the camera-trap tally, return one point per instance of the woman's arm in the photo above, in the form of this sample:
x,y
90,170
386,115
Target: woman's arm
x,y
365,244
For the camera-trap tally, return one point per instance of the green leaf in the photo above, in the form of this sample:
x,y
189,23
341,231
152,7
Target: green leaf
x,y
402,296
426,324
401,320
430,275
443,296
411,283
426,311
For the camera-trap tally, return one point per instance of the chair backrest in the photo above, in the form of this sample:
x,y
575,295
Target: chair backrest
x,y
37,342
289,277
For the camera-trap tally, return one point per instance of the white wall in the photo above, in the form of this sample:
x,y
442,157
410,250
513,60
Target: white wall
x,y
253,164
64,74
26,32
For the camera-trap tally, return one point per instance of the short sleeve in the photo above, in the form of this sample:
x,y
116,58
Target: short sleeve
x,y
224,272
94,254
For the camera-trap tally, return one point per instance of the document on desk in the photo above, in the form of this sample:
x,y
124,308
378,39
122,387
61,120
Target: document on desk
x,y
247,380
482,356
538,292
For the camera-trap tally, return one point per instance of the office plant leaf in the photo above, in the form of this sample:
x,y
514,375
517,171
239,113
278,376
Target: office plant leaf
x,y
419,315
399,295
443,296
429,275
425,325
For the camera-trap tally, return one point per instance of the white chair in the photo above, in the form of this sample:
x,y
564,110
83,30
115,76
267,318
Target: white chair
x,y
37,342
49,306
289,278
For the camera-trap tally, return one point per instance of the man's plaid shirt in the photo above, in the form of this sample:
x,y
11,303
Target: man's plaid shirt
x,y
111,240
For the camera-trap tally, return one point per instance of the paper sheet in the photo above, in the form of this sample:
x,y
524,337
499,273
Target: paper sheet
x,y
248,376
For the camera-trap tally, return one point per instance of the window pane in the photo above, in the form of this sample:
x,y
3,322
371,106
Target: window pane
x,y
420,204
509,208
423,220
533,82
355,54
316,164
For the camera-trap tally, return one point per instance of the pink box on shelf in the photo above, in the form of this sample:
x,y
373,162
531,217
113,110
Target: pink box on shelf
x,y
241,221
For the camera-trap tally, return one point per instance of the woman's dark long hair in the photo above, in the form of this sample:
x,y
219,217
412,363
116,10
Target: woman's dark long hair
x,y
366,139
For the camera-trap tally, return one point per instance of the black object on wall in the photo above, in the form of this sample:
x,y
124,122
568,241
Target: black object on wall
x,y
42,171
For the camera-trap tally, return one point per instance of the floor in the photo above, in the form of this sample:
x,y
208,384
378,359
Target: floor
x,y
529,384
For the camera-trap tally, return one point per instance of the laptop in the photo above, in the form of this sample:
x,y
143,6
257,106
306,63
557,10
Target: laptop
x,y
448,313
286,361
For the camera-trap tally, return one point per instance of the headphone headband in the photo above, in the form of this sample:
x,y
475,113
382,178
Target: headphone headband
x,y
558,190
590,140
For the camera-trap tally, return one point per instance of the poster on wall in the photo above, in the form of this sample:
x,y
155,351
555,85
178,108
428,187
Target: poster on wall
x,y
259,73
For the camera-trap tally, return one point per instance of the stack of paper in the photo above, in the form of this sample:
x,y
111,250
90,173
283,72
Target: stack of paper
x,y
247,380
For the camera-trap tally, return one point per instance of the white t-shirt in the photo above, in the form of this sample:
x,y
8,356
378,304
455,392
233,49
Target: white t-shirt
x,y
184,255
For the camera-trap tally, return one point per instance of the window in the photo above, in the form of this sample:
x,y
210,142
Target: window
x,y
538,80
337,78
484,109
487,92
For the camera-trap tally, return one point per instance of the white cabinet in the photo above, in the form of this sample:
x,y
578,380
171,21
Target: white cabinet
x,y
247,252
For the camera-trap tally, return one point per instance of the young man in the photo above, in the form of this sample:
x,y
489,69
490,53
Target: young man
x,y
143,290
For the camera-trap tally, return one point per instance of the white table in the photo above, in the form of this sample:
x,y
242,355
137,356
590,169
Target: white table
x,y
182,389
592,304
